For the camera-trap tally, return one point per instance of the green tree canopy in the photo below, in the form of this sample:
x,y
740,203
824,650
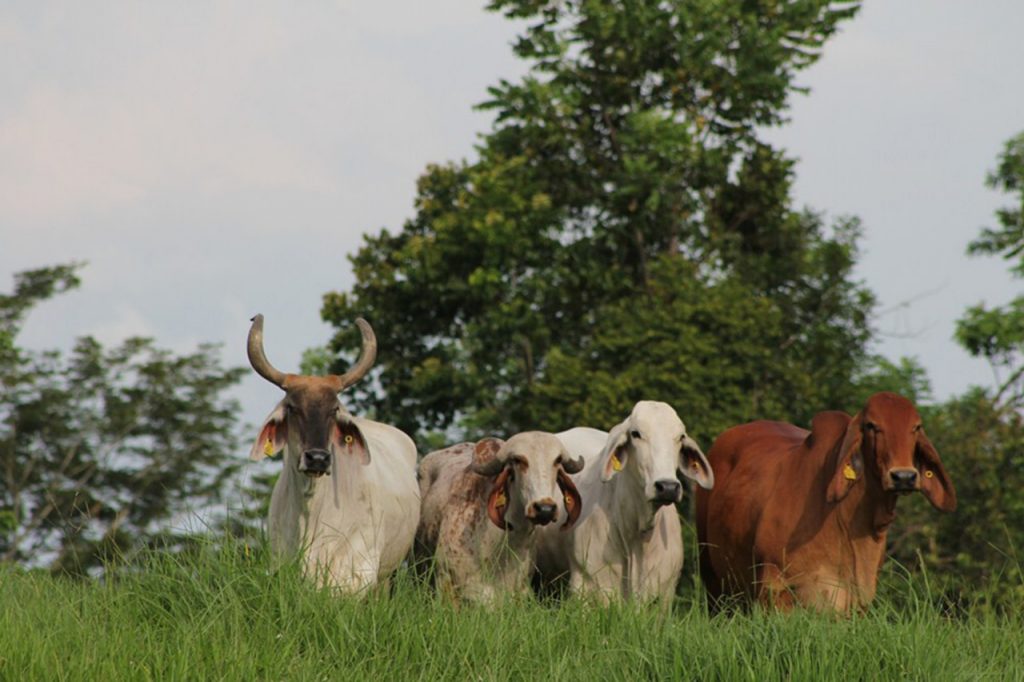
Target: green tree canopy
x,y
100,449
625,233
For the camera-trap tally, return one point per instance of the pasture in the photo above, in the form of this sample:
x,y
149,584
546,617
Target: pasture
x,y
221,613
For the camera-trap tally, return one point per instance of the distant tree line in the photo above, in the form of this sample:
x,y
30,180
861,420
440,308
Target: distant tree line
x,y
100,449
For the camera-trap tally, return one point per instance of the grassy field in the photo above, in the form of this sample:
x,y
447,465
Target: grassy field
x,y
223,615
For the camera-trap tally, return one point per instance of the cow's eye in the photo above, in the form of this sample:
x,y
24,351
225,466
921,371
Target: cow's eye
x,y
870,426
634,434
917,428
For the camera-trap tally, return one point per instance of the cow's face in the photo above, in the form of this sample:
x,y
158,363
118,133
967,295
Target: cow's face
x,y
531,479
311,421
886,442
650,447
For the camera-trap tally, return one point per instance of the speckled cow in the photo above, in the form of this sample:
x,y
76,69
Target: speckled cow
x,y
481,505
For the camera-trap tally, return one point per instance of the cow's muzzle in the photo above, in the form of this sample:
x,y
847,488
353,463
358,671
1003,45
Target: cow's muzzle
x,y
315,462
903,480
542,513
666,491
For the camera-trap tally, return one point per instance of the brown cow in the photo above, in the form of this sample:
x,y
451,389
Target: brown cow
x,y
800,517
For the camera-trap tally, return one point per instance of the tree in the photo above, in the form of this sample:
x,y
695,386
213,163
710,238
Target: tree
x,y
623,186
100,449
997,334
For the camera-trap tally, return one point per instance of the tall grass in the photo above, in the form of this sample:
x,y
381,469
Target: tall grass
x,y
220,614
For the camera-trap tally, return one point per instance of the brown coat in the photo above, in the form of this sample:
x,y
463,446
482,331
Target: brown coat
x,y
800,517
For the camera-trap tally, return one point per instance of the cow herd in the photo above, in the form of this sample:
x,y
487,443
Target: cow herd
x,y
785,516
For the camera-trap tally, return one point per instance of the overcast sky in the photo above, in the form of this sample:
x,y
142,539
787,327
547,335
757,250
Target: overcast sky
x,y
214,160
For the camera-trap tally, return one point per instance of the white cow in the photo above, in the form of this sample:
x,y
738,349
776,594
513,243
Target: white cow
x,y
628,541
347,497
481,505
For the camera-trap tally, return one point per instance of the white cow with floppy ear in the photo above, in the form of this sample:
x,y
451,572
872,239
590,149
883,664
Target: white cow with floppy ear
x,y
483,504
347,498
628,541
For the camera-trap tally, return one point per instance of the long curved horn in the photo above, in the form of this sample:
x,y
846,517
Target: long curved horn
x,y
366,357
572,466
257,358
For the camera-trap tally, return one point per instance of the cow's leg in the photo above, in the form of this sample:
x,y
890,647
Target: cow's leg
x,y
592,588
355,570
708,576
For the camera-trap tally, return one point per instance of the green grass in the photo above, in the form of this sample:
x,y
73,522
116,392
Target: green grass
x,y
220,615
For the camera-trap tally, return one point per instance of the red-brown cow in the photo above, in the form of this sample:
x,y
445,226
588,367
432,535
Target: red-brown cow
x,y
800,517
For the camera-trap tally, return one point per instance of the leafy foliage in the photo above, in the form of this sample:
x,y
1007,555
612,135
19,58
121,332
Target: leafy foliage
x,y
1008,176
997,334
622,209
101,448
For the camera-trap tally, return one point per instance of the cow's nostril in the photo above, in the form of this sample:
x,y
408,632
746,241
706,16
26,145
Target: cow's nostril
x,y
543,513
903,478
666,491
315,461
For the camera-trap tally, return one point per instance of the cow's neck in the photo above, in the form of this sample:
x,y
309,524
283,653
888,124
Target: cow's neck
x,y
864,517
520,531
315,503
509,553
518,541
634,514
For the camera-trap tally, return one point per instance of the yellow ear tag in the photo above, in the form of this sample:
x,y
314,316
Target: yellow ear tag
x,y
929,473
568,503
501,500
616,464
268,449
849,474
348,439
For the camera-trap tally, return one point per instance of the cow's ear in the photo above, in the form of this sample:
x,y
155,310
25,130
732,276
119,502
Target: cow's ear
x,y
571,498
613,456
935,483
694,465
273,435
497,500
348,439
848,462
486,450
